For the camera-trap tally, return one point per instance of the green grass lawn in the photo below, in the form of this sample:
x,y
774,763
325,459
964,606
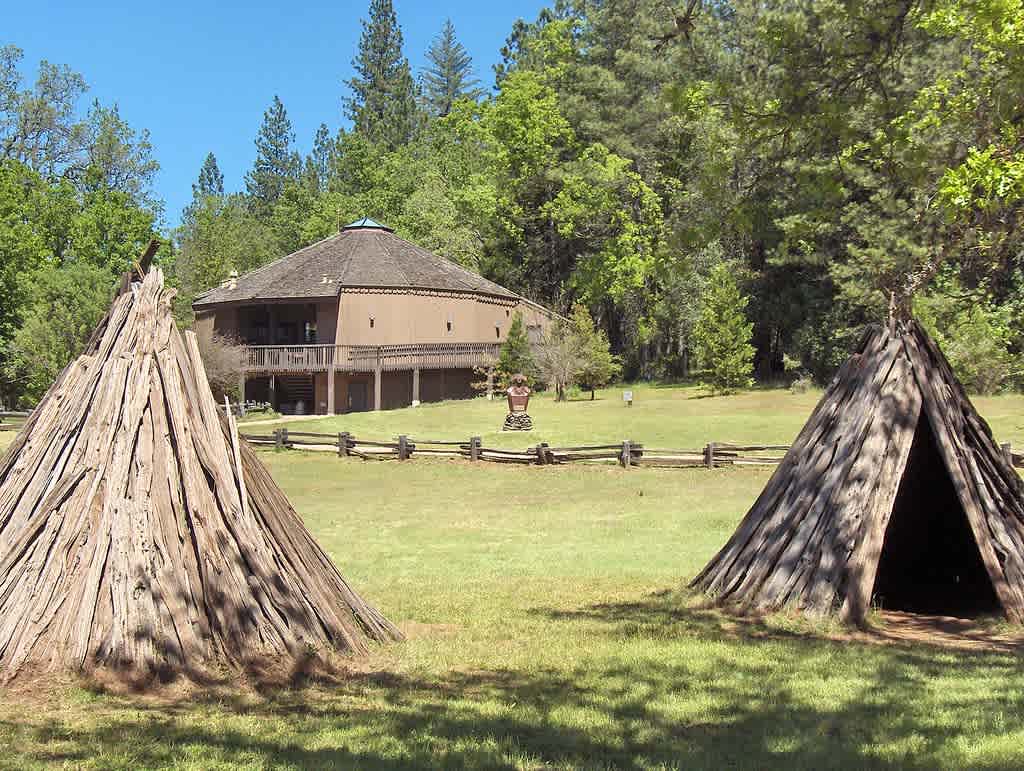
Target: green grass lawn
x,y
548,627
661,417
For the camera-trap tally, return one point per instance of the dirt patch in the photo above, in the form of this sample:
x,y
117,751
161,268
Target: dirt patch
x,y
941,631
415,629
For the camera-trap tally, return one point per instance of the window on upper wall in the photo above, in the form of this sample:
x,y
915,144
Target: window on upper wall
x,y
507,313
309,332
371,322
448,325
497,331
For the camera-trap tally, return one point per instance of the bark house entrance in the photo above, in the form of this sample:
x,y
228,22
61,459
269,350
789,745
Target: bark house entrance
x,y
930,562
894,494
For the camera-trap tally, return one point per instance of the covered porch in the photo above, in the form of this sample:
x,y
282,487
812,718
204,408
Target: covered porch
x,y
363,377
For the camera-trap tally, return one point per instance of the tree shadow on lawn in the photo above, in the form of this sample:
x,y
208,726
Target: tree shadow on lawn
x,y
731,704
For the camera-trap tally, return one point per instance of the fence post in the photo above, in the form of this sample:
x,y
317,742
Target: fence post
x,y
343,444
403,447
709,455
625,458
474,448
278,442
542,454
284,438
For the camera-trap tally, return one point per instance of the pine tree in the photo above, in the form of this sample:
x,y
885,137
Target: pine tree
x,y
516,355
450,74
320,162
599,365
276,162
723,333
383,102
211,180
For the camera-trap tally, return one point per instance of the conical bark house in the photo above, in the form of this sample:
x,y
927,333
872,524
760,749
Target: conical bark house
x,y
894,494
138,534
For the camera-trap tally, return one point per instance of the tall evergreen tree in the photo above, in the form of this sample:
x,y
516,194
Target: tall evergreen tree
x,y
209,183
211,180
276,162
516,355
723,333
383,101
320,162
449,76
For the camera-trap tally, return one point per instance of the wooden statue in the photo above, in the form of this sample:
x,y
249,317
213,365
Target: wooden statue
x,y
518,400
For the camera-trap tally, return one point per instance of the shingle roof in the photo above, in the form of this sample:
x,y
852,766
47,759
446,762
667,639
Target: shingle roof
x,y
363,254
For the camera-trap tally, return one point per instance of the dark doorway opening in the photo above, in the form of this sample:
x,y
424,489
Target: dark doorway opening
x,y
930,562
357,396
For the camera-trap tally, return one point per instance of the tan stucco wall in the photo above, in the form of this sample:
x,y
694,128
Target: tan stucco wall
x,y
204,323
398,318
422,318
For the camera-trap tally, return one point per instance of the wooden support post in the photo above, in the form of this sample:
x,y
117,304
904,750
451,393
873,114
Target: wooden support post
x,y
278,440
474,448
343,438
627,453
330,389
709,455
377,376
542,454
403,447
490,383
416,387
284,438
241,388
272,392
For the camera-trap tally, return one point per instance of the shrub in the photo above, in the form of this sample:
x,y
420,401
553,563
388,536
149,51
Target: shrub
x,y
224,360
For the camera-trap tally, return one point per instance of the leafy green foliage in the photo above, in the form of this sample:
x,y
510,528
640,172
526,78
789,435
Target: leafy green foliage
x,y
55,238
64,306
221,235
976,336
723,333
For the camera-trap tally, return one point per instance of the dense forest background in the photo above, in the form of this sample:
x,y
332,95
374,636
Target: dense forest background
x,y
836,157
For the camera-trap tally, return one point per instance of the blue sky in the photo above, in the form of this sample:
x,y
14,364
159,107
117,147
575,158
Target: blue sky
x,y
199,75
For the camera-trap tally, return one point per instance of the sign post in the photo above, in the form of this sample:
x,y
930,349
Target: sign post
x,y
627,397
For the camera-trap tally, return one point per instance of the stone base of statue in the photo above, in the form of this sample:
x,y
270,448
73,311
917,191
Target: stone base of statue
x,y
517,421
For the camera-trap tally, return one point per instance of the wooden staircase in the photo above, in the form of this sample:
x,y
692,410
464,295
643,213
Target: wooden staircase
x,y
295,391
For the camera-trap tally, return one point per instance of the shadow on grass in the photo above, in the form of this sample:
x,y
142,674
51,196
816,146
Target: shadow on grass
x,y
707,693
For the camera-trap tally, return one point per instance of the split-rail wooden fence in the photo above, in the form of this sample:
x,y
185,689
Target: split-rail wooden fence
x,y
627,453
13,421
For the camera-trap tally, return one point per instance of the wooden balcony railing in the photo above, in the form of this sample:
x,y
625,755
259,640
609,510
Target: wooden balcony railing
x,y
367,358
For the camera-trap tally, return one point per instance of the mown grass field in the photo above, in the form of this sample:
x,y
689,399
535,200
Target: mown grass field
x,y
548,627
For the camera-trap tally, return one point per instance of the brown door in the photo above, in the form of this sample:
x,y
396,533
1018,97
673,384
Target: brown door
x,y
357,396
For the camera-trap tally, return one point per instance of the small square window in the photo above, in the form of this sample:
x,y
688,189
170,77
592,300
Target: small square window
x,y
449,325
507,313
371,322
497,331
